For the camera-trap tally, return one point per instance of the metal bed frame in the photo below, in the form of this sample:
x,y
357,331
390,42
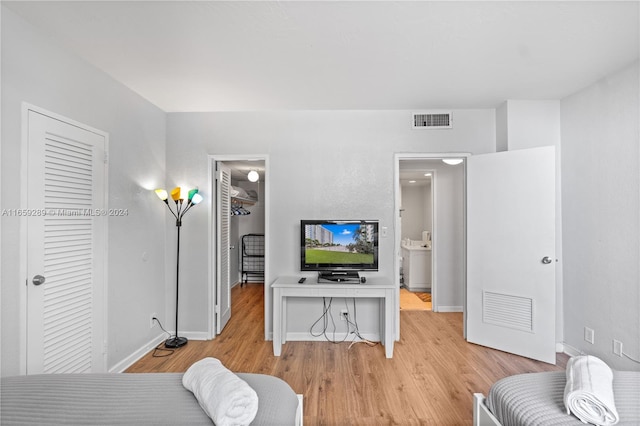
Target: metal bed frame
x,y
252,257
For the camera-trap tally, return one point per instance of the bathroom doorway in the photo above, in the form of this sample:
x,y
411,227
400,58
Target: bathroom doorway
x,y
416,228
447,237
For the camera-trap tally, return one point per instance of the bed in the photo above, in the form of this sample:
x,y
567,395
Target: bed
x,y
130,399
537,399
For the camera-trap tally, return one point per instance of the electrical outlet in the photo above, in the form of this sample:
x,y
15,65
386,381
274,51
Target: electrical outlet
x,y
617,347
344,315
152,320
589,335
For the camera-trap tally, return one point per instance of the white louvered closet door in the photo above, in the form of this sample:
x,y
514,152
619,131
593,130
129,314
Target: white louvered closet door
x,y
66,244
223,294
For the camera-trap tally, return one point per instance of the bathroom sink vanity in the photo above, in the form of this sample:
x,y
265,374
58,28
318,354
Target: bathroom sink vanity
x,y
416,265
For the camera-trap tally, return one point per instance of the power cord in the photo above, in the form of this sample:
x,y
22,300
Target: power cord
x,y
328,315
629,357
356,330
157,352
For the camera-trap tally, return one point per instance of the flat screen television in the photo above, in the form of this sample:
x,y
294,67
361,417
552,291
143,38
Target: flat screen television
x,y
339,245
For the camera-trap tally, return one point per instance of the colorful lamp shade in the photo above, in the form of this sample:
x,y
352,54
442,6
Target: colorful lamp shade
x,y
196,199
175,193
162,194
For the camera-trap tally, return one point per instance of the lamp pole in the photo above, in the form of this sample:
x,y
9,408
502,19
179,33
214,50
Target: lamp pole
x,y
194,198
175,341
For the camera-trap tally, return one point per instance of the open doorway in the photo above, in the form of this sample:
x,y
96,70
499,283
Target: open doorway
x,y
439,229
247,225
239,234
416,227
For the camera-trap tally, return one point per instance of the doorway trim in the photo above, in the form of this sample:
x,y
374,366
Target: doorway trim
x,y
212,159
398,157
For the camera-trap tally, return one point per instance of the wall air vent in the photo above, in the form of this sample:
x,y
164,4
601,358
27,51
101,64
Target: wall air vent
x,y
431,120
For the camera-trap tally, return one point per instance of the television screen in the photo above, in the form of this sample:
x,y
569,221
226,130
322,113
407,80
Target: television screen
x,y
336,245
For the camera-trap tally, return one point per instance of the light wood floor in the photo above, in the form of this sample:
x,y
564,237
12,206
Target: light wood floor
x,y
414,301
429,381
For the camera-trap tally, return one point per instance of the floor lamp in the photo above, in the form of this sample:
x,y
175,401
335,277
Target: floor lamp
x,y
180,210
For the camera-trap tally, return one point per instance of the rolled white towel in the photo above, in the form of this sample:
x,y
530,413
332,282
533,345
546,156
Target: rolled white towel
x,y
588,393
227,399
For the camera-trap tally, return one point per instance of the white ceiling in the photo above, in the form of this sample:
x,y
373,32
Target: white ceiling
x,y
239,55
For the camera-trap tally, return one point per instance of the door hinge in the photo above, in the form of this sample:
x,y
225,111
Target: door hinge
x,y
216,309
106,157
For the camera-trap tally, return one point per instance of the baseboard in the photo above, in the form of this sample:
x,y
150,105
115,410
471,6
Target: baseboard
x,y
195,335
134,357
339,336
418,289
569,350
138,354
448,309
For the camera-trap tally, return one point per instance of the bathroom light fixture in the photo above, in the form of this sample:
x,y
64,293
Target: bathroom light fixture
x,y
253,176
412,181
452,161
427,174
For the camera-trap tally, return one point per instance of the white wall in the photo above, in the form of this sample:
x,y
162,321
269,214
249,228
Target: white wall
x,y
532,124
600,181
417,210
41,73
322,164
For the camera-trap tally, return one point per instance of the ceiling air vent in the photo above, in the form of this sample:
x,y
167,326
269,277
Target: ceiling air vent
x,y
429,120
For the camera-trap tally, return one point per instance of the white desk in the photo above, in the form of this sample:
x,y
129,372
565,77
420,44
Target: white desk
x,y
377,288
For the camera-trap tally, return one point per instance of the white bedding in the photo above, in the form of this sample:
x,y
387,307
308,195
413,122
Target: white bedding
x,y
588,394
537,399
129,399
224,396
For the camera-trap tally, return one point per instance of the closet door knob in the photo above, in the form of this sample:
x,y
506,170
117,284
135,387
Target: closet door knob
x,y
546,260
38,280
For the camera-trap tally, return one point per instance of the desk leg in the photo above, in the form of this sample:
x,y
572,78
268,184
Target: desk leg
x,y
388,323
283,335
277,321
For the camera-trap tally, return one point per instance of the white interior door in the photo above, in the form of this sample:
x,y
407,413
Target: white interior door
x,y
511,252
223,226
66,247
